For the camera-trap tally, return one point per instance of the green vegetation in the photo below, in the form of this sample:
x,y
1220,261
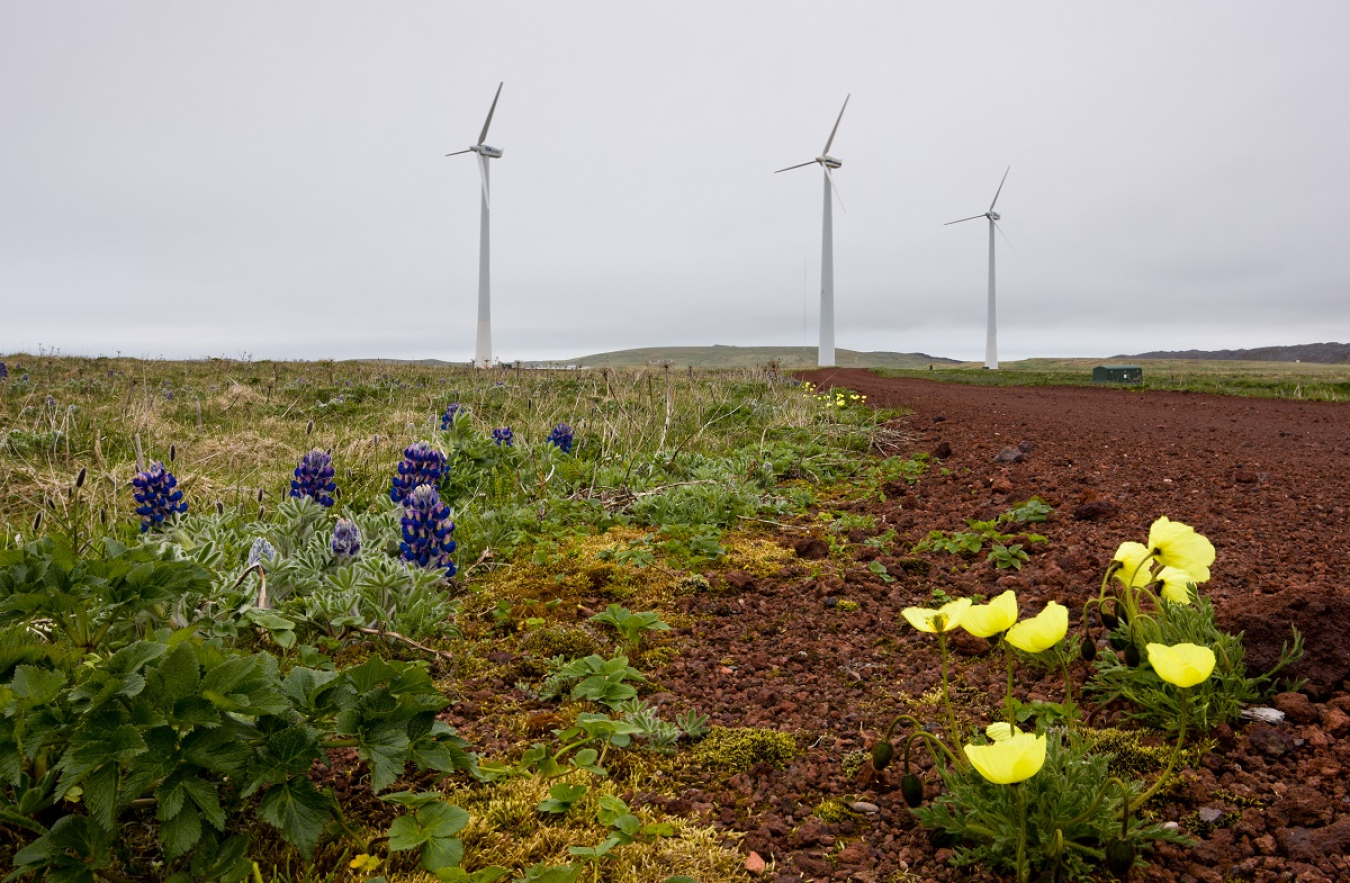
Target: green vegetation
x,y
1289,380
188,702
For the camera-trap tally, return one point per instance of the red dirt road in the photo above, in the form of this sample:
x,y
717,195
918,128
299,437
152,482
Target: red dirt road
x,y
1265,480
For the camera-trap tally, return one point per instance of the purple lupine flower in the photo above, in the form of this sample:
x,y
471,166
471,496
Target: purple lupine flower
x,y
51,402
155,491
561,438
448,418
4,371
314,478
346,540
426,530
503,436
421,465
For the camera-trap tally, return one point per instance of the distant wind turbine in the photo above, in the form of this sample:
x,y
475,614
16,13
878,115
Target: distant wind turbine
x,y
991,325
482,357
825,355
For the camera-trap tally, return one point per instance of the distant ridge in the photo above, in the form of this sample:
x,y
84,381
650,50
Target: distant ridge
x,y
787,357
1324,353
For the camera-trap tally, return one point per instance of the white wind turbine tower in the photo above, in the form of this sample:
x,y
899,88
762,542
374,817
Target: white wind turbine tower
x,y
482,354
991,326
825,356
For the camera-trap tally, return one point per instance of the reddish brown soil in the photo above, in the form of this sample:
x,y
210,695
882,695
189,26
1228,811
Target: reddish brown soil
x,y
1265,480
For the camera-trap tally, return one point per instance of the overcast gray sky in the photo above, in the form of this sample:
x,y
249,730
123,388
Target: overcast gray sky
x,y
185,178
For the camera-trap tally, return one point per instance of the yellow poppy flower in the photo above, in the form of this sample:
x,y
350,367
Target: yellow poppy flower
x,y
987,620
1184,665
1176,585
1001,731
1011,760
1178,545
1130,556
944,619
1041,632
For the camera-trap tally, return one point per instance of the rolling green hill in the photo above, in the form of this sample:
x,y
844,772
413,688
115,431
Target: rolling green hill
x,y
787,357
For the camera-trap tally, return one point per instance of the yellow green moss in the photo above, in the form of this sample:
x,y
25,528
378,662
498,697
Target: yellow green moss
x,y
834,811
739,748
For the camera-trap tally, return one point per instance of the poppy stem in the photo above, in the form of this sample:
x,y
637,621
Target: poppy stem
x,y
946,694
1023,870
934,745
1008,702
1176,753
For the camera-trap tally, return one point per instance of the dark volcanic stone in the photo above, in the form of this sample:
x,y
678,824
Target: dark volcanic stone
x,y
1097,510
811,549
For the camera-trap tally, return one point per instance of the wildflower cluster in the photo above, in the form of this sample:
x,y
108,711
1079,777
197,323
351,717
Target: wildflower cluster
x,y
157,496
346,543
448,418
421,465
1027,827
833,398
426,530
561,438
503,436
4,371
314,478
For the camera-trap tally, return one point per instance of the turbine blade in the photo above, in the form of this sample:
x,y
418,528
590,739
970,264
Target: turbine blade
x,y
482,136
963,220
482,172
797,166
1001,233
835,188
458,152
1000,187
826,151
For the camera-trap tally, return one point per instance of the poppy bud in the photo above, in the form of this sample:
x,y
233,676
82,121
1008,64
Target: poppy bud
x,y
1088,650
1110,620
912,789
1132,656
882,754
1120,857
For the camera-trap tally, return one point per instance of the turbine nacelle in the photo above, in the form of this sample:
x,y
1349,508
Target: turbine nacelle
x,y
485,150
829,162
993,216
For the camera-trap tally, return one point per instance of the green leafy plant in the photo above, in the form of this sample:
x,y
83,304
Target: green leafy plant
x,y
1008,557
631,626
1071,811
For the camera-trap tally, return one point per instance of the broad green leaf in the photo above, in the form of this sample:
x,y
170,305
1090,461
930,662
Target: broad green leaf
x,y
443,819
101,794
385,749
180,833
34,686
405,833
442,852
288,753
298,811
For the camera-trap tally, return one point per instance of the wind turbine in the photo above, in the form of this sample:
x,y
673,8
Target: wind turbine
x,y
991,325
482,354
825,355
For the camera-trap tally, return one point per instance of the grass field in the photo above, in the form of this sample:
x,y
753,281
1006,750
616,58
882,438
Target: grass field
x,y
1293,380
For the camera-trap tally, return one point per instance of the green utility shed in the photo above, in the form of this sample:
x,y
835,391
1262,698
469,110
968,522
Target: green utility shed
x,y
1117,374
